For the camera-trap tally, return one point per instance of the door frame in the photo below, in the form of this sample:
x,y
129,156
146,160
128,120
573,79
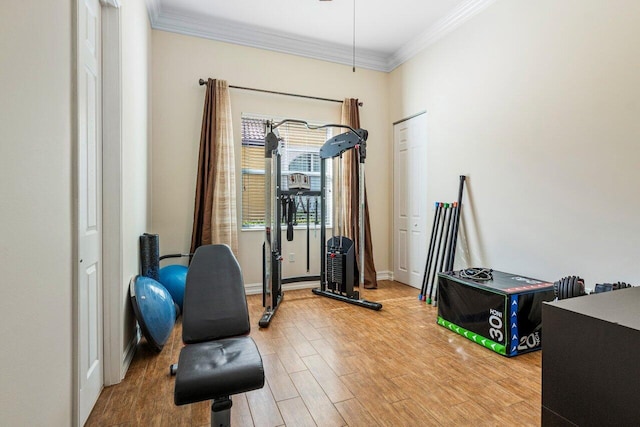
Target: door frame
x,y
112,270
112,242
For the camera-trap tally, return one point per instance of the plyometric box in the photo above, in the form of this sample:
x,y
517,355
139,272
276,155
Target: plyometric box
x,y
503,314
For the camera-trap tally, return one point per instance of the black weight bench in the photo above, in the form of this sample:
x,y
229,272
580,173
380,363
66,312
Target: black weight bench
x,y
219,359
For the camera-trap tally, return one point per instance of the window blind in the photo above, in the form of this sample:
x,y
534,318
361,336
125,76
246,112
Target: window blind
x,y
299,149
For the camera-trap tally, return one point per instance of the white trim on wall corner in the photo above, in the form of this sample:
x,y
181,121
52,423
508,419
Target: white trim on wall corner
x,y
384,275
153,8
129,352
112,3
457,17
237,33
246,35
256,288
112,196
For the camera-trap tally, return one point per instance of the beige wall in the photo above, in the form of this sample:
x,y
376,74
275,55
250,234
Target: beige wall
x,y
538,103
179,61
136,137
36,213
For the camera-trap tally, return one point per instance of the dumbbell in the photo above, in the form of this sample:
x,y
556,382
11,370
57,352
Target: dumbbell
x,y
569,287
606,287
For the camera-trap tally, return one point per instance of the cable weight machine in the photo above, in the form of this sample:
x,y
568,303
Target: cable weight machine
x,y
338,270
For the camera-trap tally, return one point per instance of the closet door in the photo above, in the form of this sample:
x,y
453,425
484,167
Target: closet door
x,y
89,204
410,200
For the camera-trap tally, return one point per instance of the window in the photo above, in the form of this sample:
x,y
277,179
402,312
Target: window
x,y
300,149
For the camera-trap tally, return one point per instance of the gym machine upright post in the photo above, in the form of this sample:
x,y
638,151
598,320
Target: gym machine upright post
x,y
337,281
271,256
272,248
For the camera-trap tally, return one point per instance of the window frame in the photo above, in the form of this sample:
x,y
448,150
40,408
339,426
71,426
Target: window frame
x,y
285,171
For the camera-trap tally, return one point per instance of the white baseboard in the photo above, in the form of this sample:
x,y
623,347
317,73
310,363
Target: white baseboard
x,y
256,288
384,275
129,352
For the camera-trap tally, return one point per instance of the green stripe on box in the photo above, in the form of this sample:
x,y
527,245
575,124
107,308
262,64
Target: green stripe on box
x,y
472,336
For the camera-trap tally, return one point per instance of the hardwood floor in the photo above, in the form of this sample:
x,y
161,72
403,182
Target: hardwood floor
x,y
328,363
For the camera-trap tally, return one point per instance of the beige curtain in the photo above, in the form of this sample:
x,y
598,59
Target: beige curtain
x,y
351,198
214,218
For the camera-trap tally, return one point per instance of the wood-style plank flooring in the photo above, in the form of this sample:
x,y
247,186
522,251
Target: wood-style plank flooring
x,y
328,363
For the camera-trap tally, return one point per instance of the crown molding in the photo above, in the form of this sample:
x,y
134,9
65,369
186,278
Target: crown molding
x,y
153,8
237,33
457,17
246,35
111,3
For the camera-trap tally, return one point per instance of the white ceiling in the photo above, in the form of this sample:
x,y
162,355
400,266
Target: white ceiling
x,y
388,32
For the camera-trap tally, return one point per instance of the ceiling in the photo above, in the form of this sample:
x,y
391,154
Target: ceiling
x,y
387,32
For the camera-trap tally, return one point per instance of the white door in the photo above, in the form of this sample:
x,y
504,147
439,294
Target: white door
x,y
400,202
410,200
89,181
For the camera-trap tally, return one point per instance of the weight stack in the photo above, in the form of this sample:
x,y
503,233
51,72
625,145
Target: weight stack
x,y
341,266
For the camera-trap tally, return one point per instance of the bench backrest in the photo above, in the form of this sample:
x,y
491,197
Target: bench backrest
x,y
215,303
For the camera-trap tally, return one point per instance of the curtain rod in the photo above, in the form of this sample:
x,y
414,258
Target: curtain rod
x,y
204,82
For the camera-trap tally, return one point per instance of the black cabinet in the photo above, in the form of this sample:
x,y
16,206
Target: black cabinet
x,y
591,360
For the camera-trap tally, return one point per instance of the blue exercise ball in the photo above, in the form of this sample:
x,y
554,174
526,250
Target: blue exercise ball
x,y
154,308
174,278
